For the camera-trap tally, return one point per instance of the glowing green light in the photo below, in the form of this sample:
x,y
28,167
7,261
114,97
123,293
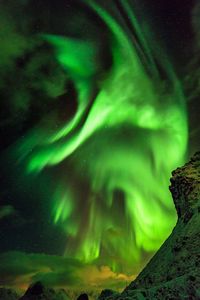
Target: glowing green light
x,y
134,135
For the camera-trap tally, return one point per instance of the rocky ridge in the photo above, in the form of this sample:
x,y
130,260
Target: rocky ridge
x,y
8,294
38,291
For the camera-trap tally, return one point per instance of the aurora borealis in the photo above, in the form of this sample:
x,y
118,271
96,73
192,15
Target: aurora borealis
x,y
103,121
126,103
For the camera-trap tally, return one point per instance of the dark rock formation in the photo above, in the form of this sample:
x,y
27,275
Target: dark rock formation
x,y
8,294
174,271
38,291
108,294
83,297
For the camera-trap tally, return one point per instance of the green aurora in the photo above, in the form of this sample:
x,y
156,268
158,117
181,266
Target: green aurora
x,y
128,133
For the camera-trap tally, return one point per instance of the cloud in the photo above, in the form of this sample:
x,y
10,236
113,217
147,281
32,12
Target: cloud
x,y
19,270
27,64
104,277
6,210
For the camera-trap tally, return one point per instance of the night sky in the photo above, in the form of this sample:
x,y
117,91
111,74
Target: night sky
x,y
99,103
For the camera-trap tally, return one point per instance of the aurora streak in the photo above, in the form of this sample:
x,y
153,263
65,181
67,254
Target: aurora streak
x,y
128,133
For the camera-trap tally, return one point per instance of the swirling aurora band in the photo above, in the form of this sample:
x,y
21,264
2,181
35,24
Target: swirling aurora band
x,y
128,133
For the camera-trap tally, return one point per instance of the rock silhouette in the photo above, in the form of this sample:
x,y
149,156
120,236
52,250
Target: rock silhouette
x,y
83,296
105,294
38,291
8,294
